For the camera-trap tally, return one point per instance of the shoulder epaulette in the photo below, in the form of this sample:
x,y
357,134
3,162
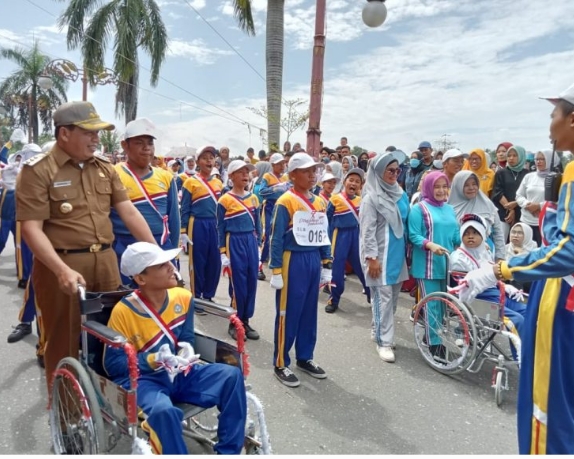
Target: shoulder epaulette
x,y
35,159
102,158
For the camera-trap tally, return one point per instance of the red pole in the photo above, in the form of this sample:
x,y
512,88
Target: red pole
x,y
314,131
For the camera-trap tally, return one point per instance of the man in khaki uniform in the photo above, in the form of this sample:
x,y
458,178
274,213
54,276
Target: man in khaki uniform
x,y
63,201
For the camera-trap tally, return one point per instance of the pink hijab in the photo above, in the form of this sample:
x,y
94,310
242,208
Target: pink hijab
x,y
428,188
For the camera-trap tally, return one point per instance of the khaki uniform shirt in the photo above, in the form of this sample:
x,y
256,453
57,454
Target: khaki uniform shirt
x,y
73,201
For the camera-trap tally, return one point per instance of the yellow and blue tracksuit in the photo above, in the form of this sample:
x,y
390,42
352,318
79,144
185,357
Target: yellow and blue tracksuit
x,y
161,188
8,204
210,385
545,394
272,187
343,214
239,233
300,266
199,221
181,178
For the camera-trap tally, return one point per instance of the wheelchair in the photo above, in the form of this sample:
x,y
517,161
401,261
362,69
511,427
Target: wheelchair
x,y
95,412
453,336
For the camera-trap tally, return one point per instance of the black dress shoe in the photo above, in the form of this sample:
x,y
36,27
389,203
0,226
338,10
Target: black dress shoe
x,y
22,283
19,332
261,276
40,359
250,333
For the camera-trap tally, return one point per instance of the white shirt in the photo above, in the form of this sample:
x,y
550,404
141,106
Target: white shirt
x,y
531,190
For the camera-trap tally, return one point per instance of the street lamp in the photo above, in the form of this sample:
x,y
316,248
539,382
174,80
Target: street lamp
x,y
69,71
374,14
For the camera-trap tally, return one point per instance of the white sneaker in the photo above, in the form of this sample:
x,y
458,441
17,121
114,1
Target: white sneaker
x,y
386,353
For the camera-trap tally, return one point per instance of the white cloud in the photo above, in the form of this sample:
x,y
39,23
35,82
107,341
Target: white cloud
x,y
197,50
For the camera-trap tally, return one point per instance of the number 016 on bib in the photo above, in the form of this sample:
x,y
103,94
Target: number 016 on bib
x,y
311,228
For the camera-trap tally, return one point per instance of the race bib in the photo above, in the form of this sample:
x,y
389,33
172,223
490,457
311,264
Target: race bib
x,y
311,228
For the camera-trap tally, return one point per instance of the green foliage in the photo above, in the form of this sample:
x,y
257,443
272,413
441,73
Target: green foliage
x,y
357,151
21,96
110,141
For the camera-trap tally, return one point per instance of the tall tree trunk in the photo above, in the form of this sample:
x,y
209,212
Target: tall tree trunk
x,y
34,114
274,69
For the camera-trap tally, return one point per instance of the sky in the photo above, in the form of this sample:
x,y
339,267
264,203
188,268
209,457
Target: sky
x,y
468,71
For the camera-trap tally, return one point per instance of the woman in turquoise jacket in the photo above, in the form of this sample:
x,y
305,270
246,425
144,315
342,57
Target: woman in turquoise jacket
x,y
433,232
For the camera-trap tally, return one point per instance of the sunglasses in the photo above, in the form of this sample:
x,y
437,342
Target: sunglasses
x,y
393,170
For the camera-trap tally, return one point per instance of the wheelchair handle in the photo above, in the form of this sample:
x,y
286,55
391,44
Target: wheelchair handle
x,y
81,292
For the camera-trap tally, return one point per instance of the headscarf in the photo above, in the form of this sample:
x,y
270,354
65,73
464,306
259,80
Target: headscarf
x,y
549,166
262,167
480,205
481,253
506,145
521,152
383,194
485,174
337,171
528,244
428,187
354,161
364,161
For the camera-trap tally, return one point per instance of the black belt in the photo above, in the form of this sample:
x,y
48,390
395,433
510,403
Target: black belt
x,y
91,249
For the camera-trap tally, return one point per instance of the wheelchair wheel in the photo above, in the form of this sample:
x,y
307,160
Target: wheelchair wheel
x,y
445,333
76,422
256,435
498,389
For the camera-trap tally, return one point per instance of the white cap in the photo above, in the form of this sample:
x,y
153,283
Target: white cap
x,y
30,150
141,255
302,160
172,162
141,126
356,171
328,176
204,149
237,164
567,95
215,171
187,158
276,158
453,153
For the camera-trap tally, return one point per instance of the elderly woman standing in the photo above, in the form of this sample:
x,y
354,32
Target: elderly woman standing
x,y
383,217
467,198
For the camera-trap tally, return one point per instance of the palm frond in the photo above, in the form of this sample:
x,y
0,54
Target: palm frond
x,y
100,29
243,15
74,16
155,40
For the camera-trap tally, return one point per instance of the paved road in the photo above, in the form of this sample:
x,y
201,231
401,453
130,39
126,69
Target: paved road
x,y
365,406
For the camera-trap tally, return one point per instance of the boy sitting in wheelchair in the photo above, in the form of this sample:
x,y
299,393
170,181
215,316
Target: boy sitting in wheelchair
x,y
473,253
158,320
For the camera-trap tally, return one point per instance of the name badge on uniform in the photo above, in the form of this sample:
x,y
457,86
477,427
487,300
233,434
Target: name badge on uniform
x,y
61,184
311,228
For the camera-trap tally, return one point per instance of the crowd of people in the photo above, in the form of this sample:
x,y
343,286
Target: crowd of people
x,y
386,217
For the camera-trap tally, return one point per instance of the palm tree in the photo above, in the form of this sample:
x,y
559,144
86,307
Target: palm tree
x,y
274,69
21,92
132,25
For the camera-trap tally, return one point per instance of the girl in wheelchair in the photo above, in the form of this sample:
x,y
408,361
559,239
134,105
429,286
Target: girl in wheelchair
x,y
472,254
157,319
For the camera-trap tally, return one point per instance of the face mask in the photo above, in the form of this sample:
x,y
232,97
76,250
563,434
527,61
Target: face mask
x,y
437,164
326,160
415,163
363,163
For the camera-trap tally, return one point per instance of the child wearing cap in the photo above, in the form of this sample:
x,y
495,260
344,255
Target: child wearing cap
x,y
328,184
343,216
301,262
239,231
272,187
157,319
199,196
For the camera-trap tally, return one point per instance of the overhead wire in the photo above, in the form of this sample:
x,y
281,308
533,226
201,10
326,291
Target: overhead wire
x,y
138,87
241,120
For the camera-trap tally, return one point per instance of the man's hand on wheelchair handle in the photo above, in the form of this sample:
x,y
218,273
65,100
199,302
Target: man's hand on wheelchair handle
x,y
476,282
68,281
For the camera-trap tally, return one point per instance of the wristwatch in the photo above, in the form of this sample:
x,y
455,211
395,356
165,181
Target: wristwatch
x,y
328,265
